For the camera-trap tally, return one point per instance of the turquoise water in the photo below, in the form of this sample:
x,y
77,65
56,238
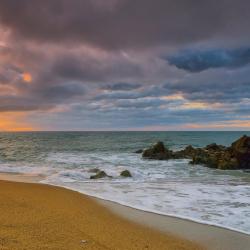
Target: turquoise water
x,y
167,187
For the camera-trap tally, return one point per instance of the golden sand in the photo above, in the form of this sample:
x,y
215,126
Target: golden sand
x,y
35,216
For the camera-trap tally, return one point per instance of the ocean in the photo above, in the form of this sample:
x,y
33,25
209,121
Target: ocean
x,y
175,188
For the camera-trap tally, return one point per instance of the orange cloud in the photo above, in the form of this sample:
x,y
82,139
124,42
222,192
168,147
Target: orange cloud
x,y
230,125
220,125
186,104
13,121
173,97
200,105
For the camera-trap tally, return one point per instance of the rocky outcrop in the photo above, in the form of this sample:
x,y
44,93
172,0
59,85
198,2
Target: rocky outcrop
x,y
126,174
237,156
240,149
221,159
158,151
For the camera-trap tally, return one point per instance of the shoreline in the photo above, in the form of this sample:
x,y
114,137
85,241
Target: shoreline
x,y
102,200
30,178
210,236
40,216
213,237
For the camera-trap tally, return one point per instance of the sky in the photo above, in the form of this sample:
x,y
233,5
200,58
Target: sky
x,y
124,65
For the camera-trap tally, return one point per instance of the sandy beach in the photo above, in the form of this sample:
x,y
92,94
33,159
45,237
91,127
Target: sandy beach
x,y
37,216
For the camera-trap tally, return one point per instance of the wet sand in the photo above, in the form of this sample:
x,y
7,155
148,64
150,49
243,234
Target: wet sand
x,y
212,237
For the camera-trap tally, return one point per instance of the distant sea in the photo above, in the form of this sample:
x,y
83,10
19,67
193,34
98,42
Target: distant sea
x,y
174,187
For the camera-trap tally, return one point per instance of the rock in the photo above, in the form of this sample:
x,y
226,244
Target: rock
x,y
125,173
138,151
228,164
237,156
99,175
214,147
241,151
188,152
157,152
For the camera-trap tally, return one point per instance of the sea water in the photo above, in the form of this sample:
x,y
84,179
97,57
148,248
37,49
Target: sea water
x,y
174,187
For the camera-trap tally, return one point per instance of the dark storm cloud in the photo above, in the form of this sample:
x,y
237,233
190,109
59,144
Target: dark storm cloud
x,y
204,91
37,98
197,61
61,92
122,86
118,24
94,69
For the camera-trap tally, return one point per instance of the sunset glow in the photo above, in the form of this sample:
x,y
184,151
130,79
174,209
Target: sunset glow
x,y
14,122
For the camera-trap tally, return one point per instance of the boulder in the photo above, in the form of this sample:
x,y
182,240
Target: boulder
x,y
188,152
157,152
99,175
125,173
215,147
231,163
241,151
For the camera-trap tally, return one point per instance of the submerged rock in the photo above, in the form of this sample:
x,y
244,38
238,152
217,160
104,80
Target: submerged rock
x,y
125,173
99,175
237,156
139,151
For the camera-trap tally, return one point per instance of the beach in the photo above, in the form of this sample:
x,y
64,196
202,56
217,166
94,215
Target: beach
x,y
50,201
38,216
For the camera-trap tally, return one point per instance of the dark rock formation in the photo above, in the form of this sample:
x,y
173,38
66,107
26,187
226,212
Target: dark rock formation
x,y
138,151
221,159
188,152
240,149
237,156
215,147
126,173
99,175
158,152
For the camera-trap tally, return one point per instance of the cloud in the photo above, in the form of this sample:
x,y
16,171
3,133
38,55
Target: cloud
x,y
94,68
197,61
125,24
89,64
61,92
122,86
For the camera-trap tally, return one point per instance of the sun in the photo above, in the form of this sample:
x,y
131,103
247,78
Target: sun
x,y
27,77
